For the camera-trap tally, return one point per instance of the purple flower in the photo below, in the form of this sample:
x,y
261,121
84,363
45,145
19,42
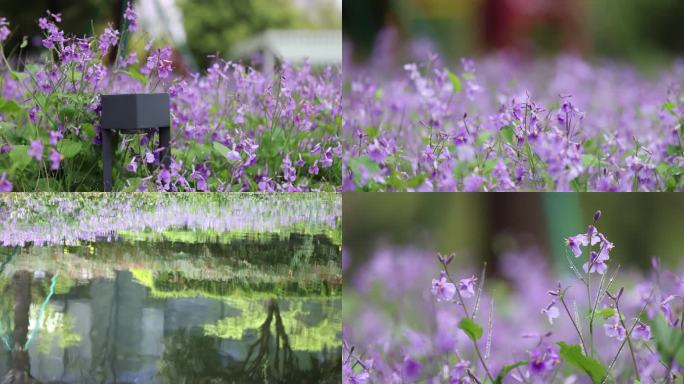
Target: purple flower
x,y
641,332
591,237
233,155
159,60
132,166
132,18
149,157
472,183
4,30
596,264
327,158
376,152
543,359
5,185
108,39
411,369
313,169
459,373
55,136
551,312
467,287
55,158
36,150
613,327
442,289
289,172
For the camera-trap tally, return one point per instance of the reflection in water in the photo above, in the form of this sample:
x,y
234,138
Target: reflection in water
x,y
125,312
170,289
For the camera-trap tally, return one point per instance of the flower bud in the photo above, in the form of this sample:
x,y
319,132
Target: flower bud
x,y
597,216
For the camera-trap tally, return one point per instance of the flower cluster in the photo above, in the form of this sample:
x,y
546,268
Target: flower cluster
x,y
234,128
589,332
502,125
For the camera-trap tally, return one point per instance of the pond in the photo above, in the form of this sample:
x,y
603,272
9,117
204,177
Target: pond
x,y
180,303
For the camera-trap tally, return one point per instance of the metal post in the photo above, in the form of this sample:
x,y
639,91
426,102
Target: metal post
x,y
165,142
107,155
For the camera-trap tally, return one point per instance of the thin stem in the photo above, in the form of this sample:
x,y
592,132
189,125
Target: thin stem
x,y
629,334
465,310
562,299
629,341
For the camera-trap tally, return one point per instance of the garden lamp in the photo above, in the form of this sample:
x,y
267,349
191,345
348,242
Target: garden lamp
x,y
134,114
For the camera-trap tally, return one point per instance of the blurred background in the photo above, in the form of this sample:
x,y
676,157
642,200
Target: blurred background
x,y
641,31
265,31
483,226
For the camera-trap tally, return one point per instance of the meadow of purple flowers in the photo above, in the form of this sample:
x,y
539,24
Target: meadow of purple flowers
x,y
234,128
506,124
408,321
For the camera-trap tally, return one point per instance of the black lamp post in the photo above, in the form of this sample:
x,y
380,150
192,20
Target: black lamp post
x,y
130,114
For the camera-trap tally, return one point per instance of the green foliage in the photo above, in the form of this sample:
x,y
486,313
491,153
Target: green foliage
x,y
506,369
455,82
572,354
669,340
471,328
217,25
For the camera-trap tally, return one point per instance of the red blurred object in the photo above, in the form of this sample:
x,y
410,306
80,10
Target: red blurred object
x,y
509,24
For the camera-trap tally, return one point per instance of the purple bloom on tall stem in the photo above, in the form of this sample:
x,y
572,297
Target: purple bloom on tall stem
x,y
459,373
613,328
108,39
442,289
472,183
411,369
55,158
543,359
132,166
55,136
132,18
466,287
641,332
551,312
4,30
5,185
36,150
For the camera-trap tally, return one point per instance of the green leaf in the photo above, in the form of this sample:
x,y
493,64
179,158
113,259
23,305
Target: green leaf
x,y
508,133
19,157
9,106
455,82
69,148
471,328
668,340
134,73
506,369
221,149
589,160
482,137
89,130
572,354
364,161
605,312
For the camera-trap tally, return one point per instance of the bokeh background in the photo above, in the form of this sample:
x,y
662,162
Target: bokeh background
x,y
641,31
196,28
483,226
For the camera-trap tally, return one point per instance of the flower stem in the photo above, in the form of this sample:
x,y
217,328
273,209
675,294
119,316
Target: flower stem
x,y
562,299
629,341
465,310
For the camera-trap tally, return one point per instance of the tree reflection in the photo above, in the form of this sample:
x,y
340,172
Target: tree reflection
x,y
192,357
20,371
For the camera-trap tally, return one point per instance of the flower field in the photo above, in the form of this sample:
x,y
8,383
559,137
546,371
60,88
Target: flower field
x,y
421,318
234,128
506,124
